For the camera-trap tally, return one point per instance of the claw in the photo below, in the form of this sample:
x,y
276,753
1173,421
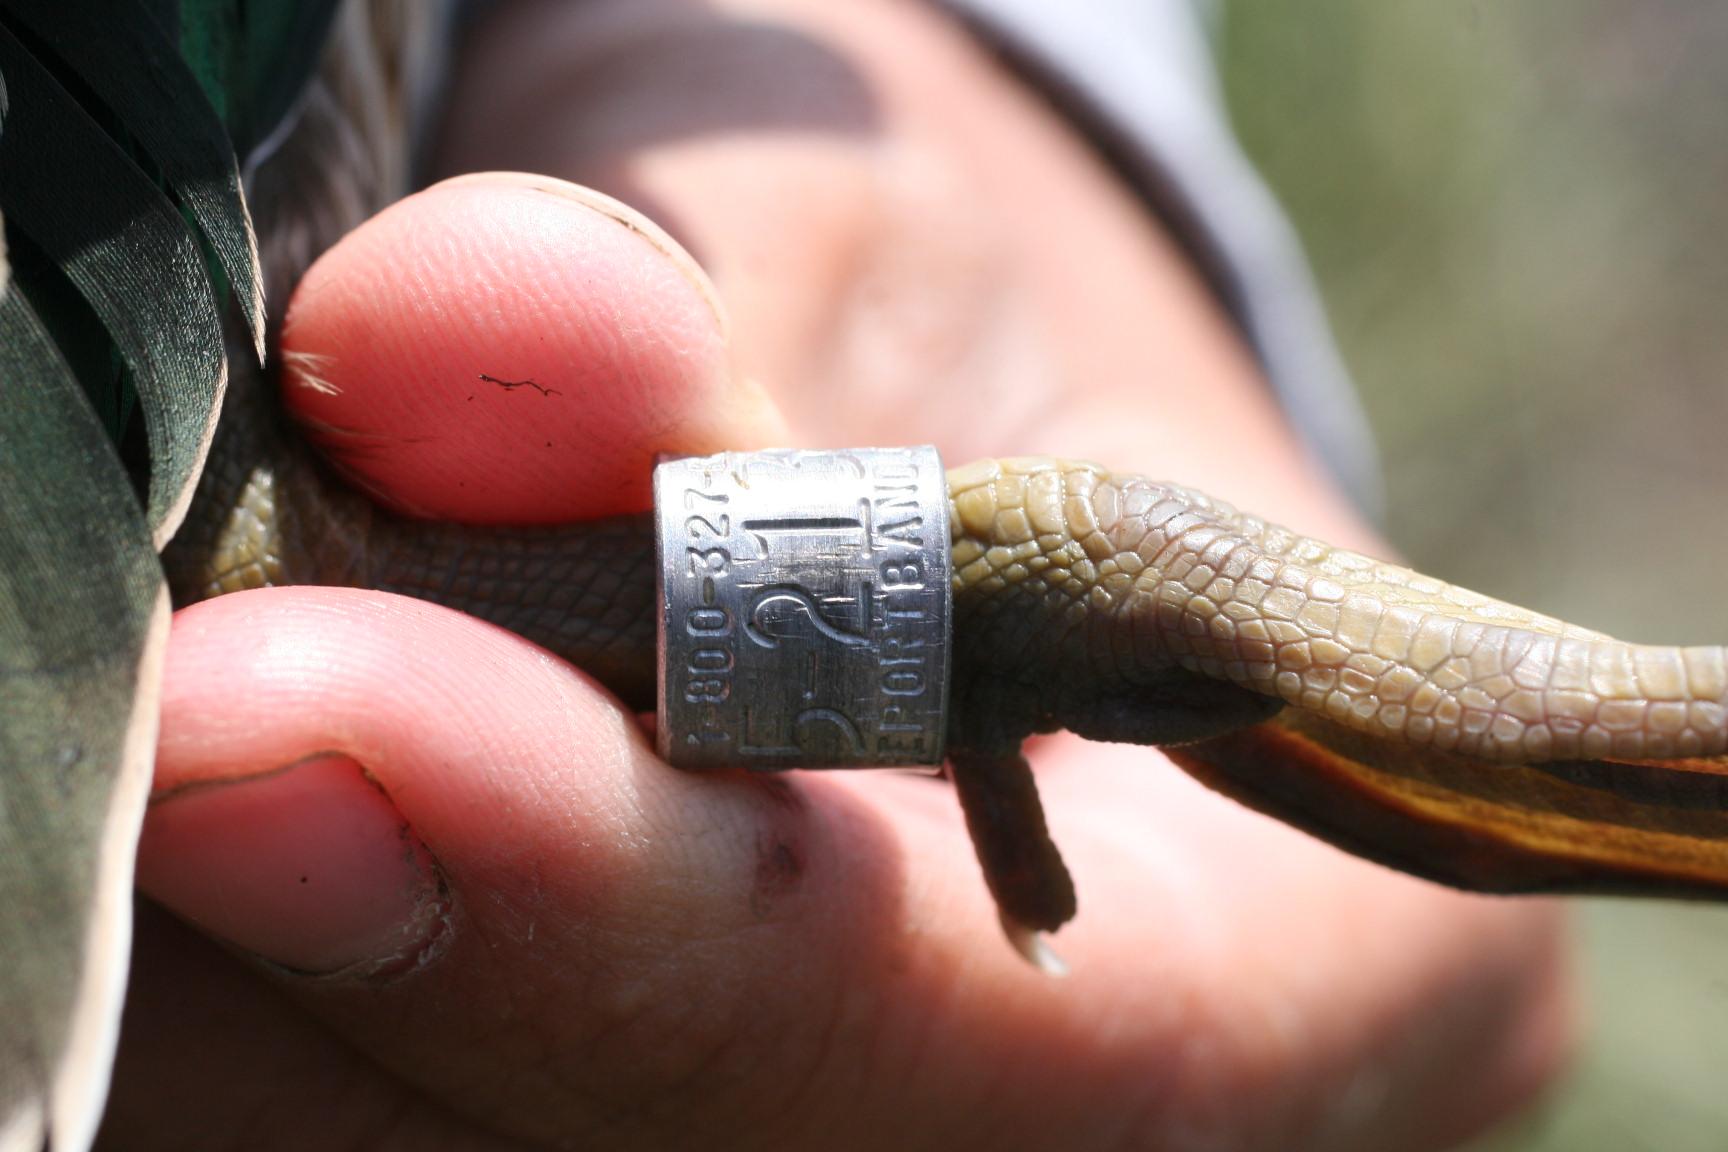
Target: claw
x,y
1034,947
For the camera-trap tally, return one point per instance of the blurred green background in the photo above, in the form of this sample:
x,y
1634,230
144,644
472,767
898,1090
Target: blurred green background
x,y
1518,211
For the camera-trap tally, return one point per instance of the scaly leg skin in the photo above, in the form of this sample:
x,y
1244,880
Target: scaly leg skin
x,y
1432,729
1435,730
269,513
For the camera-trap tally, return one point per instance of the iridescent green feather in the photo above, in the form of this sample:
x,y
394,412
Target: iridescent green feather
x,y
129,236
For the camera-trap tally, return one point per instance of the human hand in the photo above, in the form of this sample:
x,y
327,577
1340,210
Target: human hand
x,y
529,932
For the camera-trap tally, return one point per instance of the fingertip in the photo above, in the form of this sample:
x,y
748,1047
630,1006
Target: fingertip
x,y
506,348
613,209
309,866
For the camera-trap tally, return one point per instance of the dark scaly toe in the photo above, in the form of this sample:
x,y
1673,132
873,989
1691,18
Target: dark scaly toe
x,y
1021,865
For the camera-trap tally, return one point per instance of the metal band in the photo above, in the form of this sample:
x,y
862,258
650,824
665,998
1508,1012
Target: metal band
x,y
804,609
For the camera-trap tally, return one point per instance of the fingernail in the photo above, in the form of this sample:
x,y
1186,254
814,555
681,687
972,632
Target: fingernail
x,y
310,867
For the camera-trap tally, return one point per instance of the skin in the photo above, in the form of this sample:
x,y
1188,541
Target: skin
x,y
466,907
1421,724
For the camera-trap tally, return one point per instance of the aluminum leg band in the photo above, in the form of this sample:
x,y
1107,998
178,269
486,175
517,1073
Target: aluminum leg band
x,y
805,609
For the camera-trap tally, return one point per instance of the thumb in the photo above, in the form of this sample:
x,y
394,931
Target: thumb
x,y
476,872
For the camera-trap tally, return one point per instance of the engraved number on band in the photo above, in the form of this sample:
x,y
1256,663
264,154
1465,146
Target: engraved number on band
x,y
804,608
755,627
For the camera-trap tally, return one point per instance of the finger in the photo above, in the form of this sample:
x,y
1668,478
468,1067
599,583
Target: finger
x,y
211,1056
616,952
575,930
509,348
